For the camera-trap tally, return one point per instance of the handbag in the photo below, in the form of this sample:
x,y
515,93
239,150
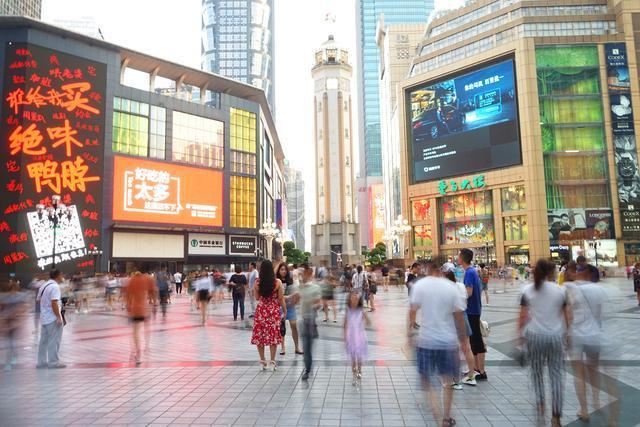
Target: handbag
x,y
283,327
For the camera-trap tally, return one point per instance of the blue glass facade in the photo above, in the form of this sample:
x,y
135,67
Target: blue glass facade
x,y
368,13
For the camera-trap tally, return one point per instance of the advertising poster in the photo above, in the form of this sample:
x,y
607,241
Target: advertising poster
x,y
376,214
465,124
567,225
624,139
164,193
53,118
207,244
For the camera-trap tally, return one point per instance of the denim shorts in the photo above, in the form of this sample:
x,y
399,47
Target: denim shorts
x,y
438,362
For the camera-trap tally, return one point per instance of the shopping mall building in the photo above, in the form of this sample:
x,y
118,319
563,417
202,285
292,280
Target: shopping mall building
x,y
155,162
517,133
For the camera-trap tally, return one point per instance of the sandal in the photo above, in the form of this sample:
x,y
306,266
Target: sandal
x,y
299,352
448,422
282,353
555,421
263,364
273,365
583,417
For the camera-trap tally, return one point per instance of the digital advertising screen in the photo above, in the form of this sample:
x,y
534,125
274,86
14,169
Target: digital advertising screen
x,y
53,118
164,193
465,124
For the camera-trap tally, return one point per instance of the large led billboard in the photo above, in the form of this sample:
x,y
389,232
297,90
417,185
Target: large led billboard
x,y
53,118
165,193
465,124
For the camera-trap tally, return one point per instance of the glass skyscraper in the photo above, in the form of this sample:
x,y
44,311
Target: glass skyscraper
x,y
367,14
29,8
237,41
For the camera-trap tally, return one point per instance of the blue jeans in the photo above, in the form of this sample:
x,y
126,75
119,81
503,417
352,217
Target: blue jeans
x,y
238,300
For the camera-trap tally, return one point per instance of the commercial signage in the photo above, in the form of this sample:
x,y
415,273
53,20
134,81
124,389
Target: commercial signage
x,y
53,118
242,245
570,225
165,193
376,214
206,244
624,139
465,124
466,184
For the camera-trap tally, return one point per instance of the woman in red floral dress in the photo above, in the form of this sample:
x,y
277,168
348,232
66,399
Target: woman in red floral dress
x,y
266,322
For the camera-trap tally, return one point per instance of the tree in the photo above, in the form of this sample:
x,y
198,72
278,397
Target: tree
x,y
293,254
375,256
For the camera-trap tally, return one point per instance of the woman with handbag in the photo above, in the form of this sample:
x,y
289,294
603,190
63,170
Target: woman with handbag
x,y
266,327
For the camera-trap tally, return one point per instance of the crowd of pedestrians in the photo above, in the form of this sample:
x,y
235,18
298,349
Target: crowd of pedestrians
x,y
560,318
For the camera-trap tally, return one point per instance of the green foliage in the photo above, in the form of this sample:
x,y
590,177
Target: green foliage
x,y
375,256
293,254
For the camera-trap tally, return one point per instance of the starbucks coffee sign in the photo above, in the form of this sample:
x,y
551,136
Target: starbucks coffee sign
x,y
206,244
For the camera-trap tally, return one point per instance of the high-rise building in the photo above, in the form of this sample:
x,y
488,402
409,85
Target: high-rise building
x,y
237,42
28,8
336,232
367,14
295,204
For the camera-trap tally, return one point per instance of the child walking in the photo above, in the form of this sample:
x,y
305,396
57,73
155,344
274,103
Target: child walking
x,y
355,335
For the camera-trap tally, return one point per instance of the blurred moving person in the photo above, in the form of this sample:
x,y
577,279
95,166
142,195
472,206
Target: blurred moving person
x,y
238,284
138,292
355,336
203,286
543,324
12,304
52,322
177,279
636,280
310,303
586,299
163,282
253,275
328,298
441,335
266,327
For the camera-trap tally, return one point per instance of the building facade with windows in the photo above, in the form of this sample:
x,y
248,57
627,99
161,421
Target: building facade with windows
x,y
295,205
517,132
370,145
237,42
28,8
156,163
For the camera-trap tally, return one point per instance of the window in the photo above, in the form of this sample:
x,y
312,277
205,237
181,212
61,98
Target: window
x,y
513,198
244,163
157,132
267,151
467,218
198,140
243,199
131,128
422,235
516,228
243,131
421,210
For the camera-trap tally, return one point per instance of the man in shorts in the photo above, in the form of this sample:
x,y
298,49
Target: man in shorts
x,y
441,336
139,291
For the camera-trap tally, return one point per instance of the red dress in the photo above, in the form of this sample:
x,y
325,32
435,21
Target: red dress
x,y
266,321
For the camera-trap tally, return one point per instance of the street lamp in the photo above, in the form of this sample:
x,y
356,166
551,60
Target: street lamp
x,y
54,213
269,232
388,238
280,241
400,228
95,252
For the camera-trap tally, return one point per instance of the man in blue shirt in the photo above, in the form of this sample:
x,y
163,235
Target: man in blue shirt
x,y
474,309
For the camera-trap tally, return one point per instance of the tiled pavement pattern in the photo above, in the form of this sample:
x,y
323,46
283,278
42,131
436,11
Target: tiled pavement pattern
x,y
195,375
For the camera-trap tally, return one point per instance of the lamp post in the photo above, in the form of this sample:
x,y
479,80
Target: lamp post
x,y
269,232
388,238
54,213
95,252
280,241
400,228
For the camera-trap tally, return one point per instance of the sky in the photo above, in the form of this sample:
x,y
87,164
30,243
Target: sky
x,y
170,29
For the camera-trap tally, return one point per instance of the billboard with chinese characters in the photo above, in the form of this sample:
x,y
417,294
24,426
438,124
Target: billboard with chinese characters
x,y
53,118
624,138
464,124
207,244
165,193
376,214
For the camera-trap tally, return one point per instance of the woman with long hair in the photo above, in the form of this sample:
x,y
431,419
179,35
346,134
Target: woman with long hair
x,y
266,327
291,299
543,324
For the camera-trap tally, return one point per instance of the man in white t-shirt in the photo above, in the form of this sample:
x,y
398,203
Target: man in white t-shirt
x,y
442,332
177,279
52,322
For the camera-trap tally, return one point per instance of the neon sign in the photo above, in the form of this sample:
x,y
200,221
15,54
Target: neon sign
x,y
52,126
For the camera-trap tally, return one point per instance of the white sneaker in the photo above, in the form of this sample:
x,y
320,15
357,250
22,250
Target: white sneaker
x,y
456,386
469,380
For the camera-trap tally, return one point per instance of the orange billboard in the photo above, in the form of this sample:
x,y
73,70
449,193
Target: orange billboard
x,y
148,191
376,214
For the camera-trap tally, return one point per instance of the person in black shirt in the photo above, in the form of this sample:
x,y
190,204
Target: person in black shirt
x,y
412,276
238,284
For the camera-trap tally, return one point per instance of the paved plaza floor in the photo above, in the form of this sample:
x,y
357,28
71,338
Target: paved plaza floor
x,y
209,375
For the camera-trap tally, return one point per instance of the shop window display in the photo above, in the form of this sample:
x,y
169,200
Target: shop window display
x,y
422,235
516,228
421,210
467,218
513,198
